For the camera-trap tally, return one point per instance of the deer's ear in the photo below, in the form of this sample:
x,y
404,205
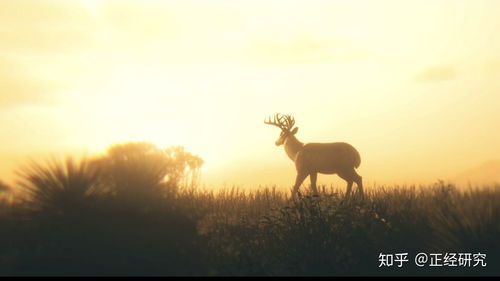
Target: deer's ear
x,y
294,131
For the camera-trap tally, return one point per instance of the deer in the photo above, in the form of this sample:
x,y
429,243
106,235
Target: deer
x,y
312,158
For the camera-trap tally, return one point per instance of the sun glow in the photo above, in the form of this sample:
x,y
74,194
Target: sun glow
x,y
143,104
92,7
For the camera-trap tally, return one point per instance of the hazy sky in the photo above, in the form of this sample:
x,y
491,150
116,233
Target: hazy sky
x,y
413,85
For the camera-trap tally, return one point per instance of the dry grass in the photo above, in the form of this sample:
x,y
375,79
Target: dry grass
x,y
66,225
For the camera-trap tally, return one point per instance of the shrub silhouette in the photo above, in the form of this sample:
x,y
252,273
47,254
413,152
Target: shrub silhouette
x,y
58,187
4,187
71,223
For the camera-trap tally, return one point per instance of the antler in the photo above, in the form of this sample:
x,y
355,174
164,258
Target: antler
x,y
284,122
289,121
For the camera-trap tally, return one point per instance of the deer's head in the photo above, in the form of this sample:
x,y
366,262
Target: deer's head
x,y
285,123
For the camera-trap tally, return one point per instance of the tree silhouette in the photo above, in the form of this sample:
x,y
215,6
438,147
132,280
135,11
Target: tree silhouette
x,y
185,167
141,170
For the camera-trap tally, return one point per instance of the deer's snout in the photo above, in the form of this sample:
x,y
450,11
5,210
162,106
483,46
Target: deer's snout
x,y
280,141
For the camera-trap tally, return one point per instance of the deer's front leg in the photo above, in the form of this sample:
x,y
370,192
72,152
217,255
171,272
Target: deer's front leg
x,y
298,181
314,177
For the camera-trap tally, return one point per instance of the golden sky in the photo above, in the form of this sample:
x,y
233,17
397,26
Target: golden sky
x,y
413,85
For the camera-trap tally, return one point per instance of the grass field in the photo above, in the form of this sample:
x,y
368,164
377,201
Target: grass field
x,y
69,222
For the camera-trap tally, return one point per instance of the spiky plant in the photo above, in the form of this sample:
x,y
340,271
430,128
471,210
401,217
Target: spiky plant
x,y
4,187
58,186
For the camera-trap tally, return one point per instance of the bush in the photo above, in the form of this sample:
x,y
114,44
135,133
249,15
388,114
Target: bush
x,y
69,224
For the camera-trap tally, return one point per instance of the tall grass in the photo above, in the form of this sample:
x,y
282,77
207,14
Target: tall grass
x,y
73,221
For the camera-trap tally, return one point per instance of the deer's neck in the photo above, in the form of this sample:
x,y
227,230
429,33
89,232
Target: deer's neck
x,y
292,146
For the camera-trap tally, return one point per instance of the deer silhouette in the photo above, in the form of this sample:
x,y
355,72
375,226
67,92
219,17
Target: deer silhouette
x,y
312,158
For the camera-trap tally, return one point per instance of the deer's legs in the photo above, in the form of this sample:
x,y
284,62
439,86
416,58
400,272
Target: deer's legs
x,y
359,183
357,179
314,177
348,178
298,181
349,188
352,176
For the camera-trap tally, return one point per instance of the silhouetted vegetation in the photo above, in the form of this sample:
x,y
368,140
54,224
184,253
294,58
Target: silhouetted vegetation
x,y
136,211
4,187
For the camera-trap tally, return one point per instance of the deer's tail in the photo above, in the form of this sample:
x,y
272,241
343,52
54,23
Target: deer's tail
x,y
357,159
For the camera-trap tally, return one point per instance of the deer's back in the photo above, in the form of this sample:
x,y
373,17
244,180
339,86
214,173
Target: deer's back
x,y
327,158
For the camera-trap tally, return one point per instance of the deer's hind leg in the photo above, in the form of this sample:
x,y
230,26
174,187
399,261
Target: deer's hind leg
x,y
353,176
349,188
350,176
359,183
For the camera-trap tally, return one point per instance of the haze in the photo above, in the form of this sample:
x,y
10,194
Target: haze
x,y
413,85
